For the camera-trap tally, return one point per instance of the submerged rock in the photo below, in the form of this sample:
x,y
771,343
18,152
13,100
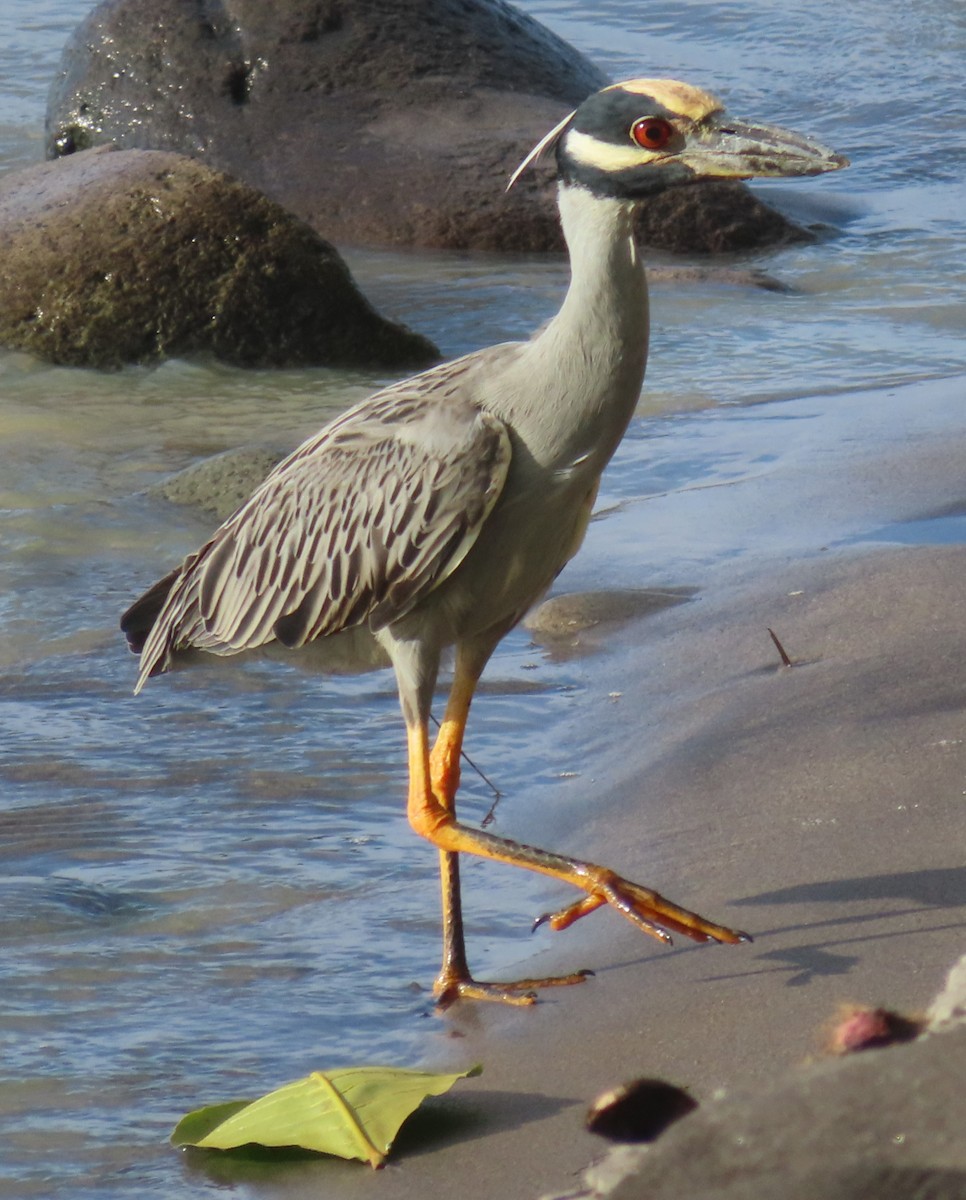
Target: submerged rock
x,y
383,122
573,613
134,256
218,485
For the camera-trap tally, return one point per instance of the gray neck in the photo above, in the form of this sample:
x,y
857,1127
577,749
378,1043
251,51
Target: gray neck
x,y
589,361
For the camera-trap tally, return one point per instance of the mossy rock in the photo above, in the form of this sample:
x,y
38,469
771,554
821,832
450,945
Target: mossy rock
x,y
114,257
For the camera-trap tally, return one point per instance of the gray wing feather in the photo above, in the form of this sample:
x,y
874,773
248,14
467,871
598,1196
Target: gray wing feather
x,y
357,525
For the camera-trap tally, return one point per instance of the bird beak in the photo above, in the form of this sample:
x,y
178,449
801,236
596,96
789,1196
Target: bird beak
x,y
726,149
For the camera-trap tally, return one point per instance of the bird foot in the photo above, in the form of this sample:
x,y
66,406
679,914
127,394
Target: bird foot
x,y
519,992
646,909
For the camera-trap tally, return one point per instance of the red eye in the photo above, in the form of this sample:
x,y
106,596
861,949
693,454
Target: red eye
x,y
653,133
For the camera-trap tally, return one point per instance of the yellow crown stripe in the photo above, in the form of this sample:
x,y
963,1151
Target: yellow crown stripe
x,y
676,97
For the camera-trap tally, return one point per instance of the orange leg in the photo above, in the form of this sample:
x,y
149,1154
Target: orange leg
x,y
455,981
433,779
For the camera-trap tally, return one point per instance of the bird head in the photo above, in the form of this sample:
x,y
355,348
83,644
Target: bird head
x,y
640,136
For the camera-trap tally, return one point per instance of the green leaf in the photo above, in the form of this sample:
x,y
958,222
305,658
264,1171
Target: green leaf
x,y
353,1113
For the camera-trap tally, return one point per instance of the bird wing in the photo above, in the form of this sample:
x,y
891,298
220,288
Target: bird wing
x,y
357,525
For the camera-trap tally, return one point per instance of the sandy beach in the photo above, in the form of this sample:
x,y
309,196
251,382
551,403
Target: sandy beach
x,y
818,806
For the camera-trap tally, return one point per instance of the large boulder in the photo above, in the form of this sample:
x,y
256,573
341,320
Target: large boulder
x,y
879,1124
132,256
381,122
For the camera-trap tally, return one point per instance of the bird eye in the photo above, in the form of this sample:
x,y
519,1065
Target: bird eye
x,y
652,133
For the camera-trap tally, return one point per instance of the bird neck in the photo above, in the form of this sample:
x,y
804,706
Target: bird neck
x,y
597,342
605,267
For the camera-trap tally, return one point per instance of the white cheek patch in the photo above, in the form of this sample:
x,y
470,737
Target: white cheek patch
x,y
587,151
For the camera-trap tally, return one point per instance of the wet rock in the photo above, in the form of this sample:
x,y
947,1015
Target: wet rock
x,y
218,485
742,277
574,613
381,122
116,257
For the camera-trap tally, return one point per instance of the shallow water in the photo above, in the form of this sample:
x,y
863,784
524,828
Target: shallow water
x,y
212,889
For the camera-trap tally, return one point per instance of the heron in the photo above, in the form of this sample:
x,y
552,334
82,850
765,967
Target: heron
x,y
432,515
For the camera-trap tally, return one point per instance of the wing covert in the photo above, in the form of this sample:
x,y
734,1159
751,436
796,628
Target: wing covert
x,y
358,524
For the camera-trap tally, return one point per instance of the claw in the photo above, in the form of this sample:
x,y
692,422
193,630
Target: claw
x,y
652,930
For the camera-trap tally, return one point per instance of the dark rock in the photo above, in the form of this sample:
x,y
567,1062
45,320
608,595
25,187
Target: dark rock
x,y
714,218
886,1124
385,122
855,1181
639,1111
133,256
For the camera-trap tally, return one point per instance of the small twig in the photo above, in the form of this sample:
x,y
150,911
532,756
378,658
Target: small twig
x,y
786,661
497,797
497,794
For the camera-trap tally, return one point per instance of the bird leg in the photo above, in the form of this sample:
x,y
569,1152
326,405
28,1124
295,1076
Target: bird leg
x,y
454,980
432,788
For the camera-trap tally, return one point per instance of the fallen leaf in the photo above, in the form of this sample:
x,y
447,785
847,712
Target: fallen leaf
x,y
354,1112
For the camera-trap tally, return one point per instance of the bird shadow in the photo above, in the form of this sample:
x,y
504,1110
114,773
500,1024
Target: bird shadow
x,y
927,890
931,887
810,960
823,954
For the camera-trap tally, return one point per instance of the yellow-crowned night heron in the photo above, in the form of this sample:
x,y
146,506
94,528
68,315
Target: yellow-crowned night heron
x,y
434,513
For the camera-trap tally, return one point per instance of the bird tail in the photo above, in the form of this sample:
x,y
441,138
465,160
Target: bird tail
x,y
140,622
139,619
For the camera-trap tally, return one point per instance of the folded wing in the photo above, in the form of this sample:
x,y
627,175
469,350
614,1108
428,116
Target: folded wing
x,y
357,525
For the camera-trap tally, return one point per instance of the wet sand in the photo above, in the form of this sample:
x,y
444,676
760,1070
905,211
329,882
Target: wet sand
x,y
822,807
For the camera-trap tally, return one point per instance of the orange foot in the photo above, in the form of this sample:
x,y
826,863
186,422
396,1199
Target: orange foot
x,y
646,909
